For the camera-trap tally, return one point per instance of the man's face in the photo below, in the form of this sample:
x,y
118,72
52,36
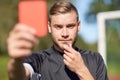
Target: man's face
x,y
64,29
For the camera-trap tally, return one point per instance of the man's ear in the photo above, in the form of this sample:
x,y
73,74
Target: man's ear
x,y
49,27
78,26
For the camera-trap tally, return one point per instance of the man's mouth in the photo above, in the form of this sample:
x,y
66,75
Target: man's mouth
x,y
65,41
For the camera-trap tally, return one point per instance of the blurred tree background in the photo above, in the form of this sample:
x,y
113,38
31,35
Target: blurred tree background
x,y
9,17
101,6
112,32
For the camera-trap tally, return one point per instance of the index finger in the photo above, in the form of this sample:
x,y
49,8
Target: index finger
x,y
22,27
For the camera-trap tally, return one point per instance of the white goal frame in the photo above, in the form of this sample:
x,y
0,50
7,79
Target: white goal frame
x,y
101,18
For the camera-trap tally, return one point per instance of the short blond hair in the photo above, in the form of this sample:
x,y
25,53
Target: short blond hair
x,y
62,7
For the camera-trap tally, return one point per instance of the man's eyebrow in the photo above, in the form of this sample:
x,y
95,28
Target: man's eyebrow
x,y
71,24
57,25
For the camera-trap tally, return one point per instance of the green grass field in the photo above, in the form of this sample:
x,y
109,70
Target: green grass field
x,y
3,67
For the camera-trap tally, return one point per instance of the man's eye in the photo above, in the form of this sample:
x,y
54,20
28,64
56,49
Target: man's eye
x,y
58,27
71,26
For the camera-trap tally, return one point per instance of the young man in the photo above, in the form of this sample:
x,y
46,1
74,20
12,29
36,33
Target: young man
x,y
62,61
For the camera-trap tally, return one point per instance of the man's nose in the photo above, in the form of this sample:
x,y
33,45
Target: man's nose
x,y
65,33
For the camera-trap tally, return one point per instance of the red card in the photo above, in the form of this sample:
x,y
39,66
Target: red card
x,y
34,14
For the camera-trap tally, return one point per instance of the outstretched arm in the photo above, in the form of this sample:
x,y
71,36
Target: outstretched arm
x,y
20,42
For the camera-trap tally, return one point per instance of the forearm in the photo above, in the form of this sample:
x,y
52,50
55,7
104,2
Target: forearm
x,y
84,74
16,70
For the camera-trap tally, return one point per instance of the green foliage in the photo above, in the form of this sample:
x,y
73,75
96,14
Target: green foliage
x,y
101,6
112,32
8,17
3,67
81,44
113,50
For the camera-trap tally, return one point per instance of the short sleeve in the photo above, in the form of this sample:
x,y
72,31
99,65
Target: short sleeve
x,y
35,60
33,63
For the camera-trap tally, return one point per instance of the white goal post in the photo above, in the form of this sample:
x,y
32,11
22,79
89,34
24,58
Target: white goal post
x,y
101,18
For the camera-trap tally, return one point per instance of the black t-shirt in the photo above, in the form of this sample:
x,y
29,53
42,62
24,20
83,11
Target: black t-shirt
x,y
49,64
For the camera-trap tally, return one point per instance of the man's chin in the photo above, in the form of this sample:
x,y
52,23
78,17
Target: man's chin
x,y
59,47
